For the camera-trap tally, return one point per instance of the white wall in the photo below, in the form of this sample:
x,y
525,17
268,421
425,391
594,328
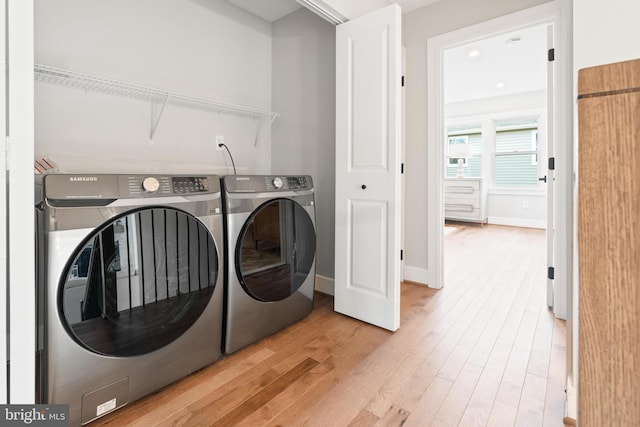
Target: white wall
x,y
605,32
303,138
418,26
522,209
497,105
204,48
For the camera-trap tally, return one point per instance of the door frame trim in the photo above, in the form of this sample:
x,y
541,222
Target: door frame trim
x,y
19,211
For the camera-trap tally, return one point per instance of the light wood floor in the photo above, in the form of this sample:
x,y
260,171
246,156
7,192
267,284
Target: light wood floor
x,y
484,350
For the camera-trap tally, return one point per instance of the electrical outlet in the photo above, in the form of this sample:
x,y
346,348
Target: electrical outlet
x,y
219,140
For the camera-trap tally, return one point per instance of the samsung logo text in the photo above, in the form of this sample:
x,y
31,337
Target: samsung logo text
x,y
83,178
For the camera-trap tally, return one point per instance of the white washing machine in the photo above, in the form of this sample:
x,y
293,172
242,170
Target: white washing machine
x,y
271,238
129,286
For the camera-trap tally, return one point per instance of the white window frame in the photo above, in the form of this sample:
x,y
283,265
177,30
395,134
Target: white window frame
x,y
535,151
535,146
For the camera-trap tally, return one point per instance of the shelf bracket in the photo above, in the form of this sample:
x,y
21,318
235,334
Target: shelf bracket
x,y
156,122
262,126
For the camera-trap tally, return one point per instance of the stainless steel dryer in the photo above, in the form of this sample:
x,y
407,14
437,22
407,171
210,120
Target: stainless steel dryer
x,y
271,238
129,286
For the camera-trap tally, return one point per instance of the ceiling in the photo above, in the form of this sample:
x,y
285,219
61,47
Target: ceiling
x,y
506,64
518,67
269,10
272,10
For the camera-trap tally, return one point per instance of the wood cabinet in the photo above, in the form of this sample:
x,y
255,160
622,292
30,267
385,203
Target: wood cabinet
x,y
465,199
609,245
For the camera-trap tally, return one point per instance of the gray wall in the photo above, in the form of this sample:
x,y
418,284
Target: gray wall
x,y
418,27
303,138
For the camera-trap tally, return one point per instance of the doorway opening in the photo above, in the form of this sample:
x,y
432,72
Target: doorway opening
x,y
557,14
495,134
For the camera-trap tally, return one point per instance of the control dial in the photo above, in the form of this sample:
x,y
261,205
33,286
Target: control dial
x,y
150,184
277,182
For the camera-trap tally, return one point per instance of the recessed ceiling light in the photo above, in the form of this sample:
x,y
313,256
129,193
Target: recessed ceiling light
x,y
474,53
513,41
499,85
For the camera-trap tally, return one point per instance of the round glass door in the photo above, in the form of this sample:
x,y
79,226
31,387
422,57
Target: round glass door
x,y
139,282
275,250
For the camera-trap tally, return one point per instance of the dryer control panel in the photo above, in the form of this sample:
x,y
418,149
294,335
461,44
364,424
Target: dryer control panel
x,y
286,183
297,182
267,183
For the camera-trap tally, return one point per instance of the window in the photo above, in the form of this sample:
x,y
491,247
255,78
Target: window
x,y
516,154
515,146
472,165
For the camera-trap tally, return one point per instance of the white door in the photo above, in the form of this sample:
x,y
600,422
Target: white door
x,y
368,214
550,177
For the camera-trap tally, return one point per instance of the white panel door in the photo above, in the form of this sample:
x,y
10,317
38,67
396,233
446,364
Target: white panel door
x,y
368,156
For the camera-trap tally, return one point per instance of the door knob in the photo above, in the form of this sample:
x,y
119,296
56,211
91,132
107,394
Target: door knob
x,y
364,187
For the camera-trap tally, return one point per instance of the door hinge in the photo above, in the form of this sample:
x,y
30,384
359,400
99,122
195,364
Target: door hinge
x,y
401,167
552,163
551,55
401,255
551,273
402,81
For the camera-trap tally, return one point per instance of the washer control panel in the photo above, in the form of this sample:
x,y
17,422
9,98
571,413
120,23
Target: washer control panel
x,y
190,184
162,185
106,188
141,185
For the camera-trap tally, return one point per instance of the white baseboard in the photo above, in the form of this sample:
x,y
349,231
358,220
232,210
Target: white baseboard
x,y
416,274
515,222
325,285
413,274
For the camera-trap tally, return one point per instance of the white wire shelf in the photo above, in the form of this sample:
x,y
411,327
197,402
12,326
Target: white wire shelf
x,y
90,83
